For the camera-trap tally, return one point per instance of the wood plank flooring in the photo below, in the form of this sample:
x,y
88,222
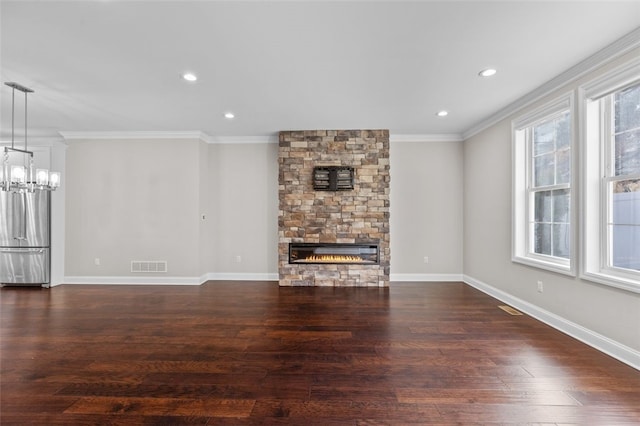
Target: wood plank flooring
x,y
251,353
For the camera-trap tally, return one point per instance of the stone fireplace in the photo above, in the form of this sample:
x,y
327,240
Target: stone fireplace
x,y
334,228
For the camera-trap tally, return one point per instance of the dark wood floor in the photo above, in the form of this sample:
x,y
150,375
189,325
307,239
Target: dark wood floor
x,y
252,353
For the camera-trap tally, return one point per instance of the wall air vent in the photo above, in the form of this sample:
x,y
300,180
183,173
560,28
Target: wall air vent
x,y
145,266
333,178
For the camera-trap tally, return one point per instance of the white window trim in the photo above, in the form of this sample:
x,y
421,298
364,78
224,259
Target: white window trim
x,y
520,244
593,211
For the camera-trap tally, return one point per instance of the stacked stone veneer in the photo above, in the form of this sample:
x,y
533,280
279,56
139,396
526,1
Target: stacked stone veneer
x,y
357,216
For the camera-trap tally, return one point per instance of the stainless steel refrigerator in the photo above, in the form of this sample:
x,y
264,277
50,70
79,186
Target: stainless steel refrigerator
x,y
25,237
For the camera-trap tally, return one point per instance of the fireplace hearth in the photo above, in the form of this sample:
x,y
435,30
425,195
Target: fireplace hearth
x,y
309,253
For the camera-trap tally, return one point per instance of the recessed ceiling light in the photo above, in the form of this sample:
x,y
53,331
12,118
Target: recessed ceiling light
x,y
442,113
189,77
229,115
487,73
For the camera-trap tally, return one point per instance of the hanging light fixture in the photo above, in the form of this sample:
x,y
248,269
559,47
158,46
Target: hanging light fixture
x,y
20,177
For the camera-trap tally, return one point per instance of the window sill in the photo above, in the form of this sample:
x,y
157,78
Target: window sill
x,y
630,285
548,266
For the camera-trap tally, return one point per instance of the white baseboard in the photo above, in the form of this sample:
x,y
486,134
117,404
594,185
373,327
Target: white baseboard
x,y
426,277
229,276
239,276
147,280
602,343
128,280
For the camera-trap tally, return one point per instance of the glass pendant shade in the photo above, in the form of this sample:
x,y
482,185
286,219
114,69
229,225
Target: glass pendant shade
x,y
54,179
42,177
18,174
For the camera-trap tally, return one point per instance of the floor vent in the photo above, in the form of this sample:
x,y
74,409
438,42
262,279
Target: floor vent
x,y
509,310
143,266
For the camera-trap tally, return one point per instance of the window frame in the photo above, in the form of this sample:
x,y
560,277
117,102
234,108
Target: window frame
x,y
596,107
522,249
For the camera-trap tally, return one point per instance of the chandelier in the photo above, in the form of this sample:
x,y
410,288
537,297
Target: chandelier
x,y
23,177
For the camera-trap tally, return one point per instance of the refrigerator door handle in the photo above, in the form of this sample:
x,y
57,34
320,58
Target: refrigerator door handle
x,y
20,216
26,251
23,231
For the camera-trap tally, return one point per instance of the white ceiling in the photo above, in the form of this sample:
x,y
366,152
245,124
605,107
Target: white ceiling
x,y
115,65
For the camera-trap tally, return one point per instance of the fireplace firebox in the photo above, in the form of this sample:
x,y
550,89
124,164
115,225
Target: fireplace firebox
x,y
331,253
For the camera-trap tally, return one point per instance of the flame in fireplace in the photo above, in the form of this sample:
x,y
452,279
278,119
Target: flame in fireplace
x,y
332,258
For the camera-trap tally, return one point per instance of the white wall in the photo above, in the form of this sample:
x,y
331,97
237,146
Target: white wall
x,y
243,210
426,210
608,316
132,200
204,215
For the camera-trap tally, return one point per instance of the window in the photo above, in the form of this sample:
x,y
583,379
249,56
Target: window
x,y
623,187
542,209
612,179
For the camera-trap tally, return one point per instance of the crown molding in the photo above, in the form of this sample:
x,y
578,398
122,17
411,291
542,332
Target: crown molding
x,y
444,137
233,140
45,137
195,134
236,140
35,142
598,59
70,135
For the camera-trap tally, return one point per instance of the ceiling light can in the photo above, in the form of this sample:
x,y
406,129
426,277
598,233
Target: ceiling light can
x,y
488,72
189,77
442,113
229,115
